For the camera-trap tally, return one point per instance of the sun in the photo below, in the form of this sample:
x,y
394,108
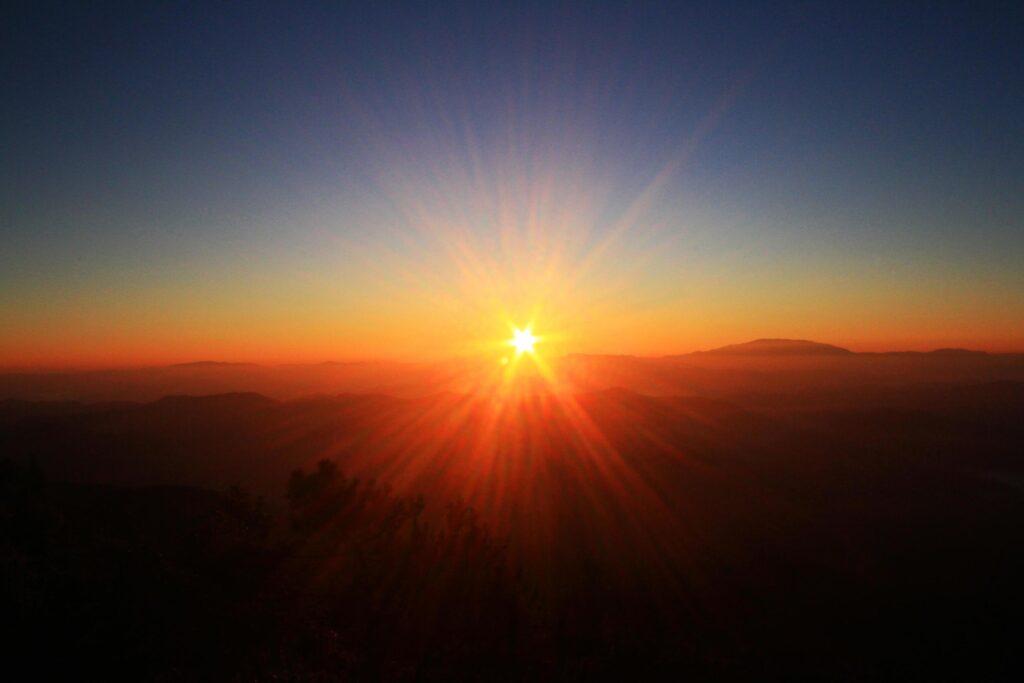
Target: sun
x,y
523,340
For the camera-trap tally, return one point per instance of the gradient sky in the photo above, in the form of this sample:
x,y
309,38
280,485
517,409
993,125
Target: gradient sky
x,y
302,182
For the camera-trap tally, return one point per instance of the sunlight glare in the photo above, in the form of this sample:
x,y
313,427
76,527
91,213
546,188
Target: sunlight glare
x,y
523,340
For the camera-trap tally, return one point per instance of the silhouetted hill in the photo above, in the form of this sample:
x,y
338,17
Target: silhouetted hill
x,y
608,532
958,353
200,364
764,367
247,438
780,347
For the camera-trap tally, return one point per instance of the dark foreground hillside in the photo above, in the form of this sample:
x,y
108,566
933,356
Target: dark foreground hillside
x,y
612,534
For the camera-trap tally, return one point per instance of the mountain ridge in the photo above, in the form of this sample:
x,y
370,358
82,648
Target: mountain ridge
x,y
783,347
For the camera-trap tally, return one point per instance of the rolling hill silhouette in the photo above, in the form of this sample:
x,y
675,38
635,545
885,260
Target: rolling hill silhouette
x,y
763,367
788,507
779,347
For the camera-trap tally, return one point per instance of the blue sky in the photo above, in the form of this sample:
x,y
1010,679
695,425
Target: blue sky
x,y
150,147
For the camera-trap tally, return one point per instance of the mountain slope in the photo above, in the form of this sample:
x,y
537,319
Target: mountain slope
x,y
780,347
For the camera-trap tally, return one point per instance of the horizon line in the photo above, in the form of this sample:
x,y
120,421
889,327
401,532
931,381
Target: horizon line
x,y
209,362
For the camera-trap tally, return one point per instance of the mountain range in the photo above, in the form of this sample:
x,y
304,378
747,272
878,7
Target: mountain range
x,y
764,367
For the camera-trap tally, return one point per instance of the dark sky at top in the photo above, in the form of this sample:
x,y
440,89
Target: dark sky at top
x,y
131,132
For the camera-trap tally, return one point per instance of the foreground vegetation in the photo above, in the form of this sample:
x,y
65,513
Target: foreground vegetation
x,y
351,582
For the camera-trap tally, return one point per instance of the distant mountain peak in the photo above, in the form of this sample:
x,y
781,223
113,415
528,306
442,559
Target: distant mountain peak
x,y
780,347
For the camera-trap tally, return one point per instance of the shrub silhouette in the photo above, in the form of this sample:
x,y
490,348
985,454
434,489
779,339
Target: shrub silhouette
x,y
351,581
410,596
